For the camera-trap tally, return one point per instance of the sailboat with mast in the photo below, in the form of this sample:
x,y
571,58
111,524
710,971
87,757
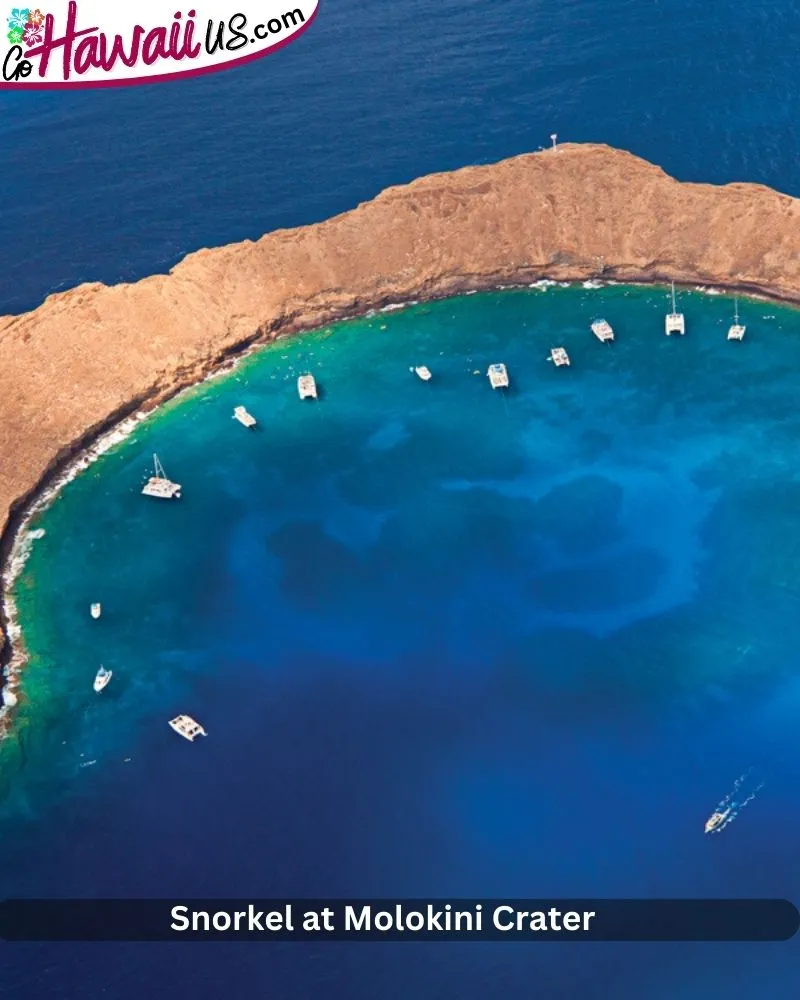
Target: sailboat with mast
x,y
159,486
736,332
674,322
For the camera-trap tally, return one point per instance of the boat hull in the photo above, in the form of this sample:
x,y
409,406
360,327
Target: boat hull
x,y
162,489
716,821
101,681
187,727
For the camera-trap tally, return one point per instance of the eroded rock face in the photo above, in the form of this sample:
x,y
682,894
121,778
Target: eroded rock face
x,y
91,355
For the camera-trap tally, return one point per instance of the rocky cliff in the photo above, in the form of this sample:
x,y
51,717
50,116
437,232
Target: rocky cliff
x,y
89,356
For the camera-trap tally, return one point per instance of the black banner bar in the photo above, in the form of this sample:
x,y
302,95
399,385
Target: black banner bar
x,y
399,920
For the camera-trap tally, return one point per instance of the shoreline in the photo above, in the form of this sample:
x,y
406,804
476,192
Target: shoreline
x,y
92,361
17,540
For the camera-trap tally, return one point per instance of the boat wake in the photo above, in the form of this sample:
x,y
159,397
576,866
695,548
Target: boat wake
x,y
744,790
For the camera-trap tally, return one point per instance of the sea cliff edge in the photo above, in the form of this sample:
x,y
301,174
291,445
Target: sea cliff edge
x,y
89,358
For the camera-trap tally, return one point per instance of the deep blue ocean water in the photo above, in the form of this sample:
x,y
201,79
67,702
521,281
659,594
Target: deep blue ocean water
x,y
114,185
443,643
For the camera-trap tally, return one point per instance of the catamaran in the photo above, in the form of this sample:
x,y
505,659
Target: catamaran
x,y
306,387
558,356
674,323
96,610
498,376
736,332
159,486
185,726
245,419
101,678
601,328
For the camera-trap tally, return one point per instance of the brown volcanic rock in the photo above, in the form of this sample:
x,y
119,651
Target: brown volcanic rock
x,y
91,355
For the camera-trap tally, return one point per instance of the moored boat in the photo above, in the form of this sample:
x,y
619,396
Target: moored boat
x,y
674,322
96,609
159,486
558,356
186,727
736,332
101,678
423,372
498,376
601,328
245,419
307,387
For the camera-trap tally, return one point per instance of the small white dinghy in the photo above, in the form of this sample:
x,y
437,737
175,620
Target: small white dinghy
x,y
101,679
96,610
423,373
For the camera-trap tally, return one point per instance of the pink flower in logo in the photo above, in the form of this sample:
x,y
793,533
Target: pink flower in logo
x,y
36,17
33,34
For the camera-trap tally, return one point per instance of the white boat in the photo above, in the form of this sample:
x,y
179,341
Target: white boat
x,y
423,372
96,610
159,486
601,328
307,387
101,678
244,418
498,376
736,332
559,356
185,726
674,322
716,819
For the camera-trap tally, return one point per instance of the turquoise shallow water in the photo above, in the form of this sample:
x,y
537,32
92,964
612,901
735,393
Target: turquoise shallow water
x,y
445,641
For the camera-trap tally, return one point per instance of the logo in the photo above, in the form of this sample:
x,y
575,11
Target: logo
x,y
92,43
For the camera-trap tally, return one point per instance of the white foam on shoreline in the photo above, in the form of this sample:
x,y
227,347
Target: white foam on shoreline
x,y
226,369
394,306
25,537
23,543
